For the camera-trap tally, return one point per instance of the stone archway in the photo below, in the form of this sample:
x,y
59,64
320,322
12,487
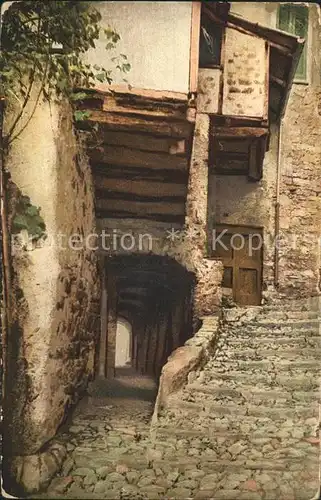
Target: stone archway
x,y
154,295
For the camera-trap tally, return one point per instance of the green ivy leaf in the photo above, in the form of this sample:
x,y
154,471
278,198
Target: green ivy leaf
x,y
101,77
81,115
32,211
78,96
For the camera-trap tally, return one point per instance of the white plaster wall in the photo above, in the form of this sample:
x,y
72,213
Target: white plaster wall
x,y
155,36
32,164
257,12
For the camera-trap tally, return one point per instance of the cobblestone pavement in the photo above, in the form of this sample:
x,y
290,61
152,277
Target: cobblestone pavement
x,y
244,427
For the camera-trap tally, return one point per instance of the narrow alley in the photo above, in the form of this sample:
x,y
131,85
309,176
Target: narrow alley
x,y
161,259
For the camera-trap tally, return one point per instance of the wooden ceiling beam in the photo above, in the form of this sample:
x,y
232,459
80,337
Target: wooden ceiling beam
x,y
119,122
125,105
227,132
141,142
177,220
110,171
138,208
139,188
120,155
278,81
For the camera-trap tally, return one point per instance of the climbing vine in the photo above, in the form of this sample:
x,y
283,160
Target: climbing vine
x,y
27,217
42,51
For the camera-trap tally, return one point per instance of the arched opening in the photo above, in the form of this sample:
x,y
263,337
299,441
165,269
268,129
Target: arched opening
x,y
147,313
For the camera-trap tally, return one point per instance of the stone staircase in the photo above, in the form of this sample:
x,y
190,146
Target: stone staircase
x,y
248,421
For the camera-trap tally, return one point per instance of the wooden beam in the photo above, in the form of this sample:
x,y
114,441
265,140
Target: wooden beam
x,y
238,132
139,207
278,81
254,167
115,121
177,220
194,47
162,95
113,104
119,155
140,188
135,290
139,174
237,121
231,155
142,142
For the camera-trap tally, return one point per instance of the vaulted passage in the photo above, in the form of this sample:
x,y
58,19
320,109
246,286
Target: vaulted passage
x,y
153,295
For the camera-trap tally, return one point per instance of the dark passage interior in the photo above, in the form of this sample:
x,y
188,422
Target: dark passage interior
x,y
146,314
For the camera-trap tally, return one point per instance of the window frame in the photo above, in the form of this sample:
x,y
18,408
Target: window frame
x,y
222,32
305,80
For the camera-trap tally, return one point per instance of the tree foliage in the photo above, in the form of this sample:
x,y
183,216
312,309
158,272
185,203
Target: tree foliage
x,y
43,45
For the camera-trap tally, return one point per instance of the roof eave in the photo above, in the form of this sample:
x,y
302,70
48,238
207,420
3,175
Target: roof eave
x,y
295,61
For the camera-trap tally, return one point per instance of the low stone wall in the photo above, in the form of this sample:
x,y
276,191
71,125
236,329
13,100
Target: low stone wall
x,y
184,360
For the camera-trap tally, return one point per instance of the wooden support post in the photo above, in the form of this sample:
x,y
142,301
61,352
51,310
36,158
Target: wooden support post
x,y
111,324
103,326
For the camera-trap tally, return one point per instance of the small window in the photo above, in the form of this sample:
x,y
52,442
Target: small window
x,y
210,43
295,19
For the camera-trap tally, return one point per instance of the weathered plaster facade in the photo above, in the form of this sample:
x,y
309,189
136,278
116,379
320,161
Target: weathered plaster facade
x,y
51,353
158,62
238,201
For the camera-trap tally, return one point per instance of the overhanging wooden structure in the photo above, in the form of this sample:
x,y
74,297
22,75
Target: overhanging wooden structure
x,y
248,101
139,145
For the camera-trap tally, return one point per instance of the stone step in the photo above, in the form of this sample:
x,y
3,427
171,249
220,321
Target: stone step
x,y
273,343
294,324
280,352
248,365
295,380
243,316
220,410
248,394
232,446
203,421
215,442
249,332
273,326
287,314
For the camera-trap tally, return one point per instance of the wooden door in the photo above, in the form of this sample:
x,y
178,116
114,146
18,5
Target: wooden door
x,y
240,248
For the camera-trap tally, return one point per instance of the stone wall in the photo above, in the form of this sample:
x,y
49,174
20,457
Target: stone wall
x,y
245,67
300,193
235,200
185,360
56,291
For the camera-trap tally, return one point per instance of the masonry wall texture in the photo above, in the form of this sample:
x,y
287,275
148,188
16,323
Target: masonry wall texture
x,y
51,349
245,83
235,200
300,202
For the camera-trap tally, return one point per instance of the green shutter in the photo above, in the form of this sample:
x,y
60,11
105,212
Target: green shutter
x,y
295,19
